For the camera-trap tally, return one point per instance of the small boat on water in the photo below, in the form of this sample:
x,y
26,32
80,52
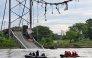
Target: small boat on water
x,y
35,55
31,56
62,55
69,54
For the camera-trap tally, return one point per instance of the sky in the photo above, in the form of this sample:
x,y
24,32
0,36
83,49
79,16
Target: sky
x,y
78,12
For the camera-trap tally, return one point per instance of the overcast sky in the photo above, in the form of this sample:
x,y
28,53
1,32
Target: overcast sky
x,y
77,12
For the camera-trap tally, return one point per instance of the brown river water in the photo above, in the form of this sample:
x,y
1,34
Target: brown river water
x,y
50,53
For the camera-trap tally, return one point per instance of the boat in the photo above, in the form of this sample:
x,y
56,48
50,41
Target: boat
x,y
62,55
31,56
35,55
69,54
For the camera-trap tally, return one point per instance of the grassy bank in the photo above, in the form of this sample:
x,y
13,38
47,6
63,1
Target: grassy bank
x,y
6,42
72,44
67,43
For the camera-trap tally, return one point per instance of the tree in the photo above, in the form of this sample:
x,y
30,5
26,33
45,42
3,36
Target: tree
x,y
71,35
46,41
81,28
89,24
42,31
56,36
64,37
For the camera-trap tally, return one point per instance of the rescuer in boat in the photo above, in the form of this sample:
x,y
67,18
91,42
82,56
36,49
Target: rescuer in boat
x,y
33,54
74,53
43,54
67,53
30,53
37,53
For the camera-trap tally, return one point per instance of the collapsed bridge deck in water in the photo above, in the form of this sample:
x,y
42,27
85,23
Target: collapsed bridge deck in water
x,y
24,41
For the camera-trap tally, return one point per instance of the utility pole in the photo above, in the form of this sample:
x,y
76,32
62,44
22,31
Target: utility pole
x,y
9,18
30,13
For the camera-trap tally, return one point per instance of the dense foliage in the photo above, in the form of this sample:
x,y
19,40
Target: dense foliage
x,y
6,42
77,34
89,31
43,34
79,31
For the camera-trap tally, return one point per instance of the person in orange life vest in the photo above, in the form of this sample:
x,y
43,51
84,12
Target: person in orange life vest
x,y
65,53
74,53
69,53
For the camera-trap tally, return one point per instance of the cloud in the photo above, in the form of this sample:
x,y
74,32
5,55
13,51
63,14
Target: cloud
x,y
77,12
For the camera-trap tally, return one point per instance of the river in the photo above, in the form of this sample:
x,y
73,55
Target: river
x,y
50,53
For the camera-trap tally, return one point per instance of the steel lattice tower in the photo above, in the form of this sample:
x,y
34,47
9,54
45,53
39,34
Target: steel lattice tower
x,y
23,4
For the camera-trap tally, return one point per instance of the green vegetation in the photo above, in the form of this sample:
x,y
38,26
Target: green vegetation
x,y
42,32
78,35
66,43
6,42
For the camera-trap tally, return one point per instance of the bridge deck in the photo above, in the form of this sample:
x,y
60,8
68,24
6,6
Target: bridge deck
x,y
25,42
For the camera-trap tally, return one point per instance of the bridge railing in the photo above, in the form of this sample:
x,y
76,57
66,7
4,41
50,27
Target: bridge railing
x,y
41,46
21,45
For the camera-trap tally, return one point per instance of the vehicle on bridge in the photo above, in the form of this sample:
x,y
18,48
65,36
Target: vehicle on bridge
x,y
27,32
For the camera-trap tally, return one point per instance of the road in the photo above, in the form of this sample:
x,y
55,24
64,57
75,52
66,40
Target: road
x,y
25,42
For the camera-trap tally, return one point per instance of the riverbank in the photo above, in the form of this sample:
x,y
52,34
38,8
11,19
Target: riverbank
x,y
72,44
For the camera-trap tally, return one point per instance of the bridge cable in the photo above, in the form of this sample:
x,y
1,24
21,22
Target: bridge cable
x,y
3,15
33,16
26,16
37,22
22,13
48,11
2,4
50,7
57,4
43,11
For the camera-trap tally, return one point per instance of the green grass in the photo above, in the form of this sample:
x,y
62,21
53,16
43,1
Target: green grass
x,y
83,43
66,43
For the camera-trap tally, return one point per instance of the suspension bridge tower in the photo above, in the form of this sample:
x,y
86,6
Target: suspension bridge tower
x,y
21,10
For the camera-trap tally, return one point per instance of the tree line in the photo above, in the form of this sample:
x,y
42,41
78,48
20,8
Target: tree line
x,y
79,31
76,32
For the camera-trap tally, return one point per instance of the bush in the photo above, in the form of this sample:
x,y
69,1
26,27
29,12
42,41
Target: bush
x,y
46,41
6,42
